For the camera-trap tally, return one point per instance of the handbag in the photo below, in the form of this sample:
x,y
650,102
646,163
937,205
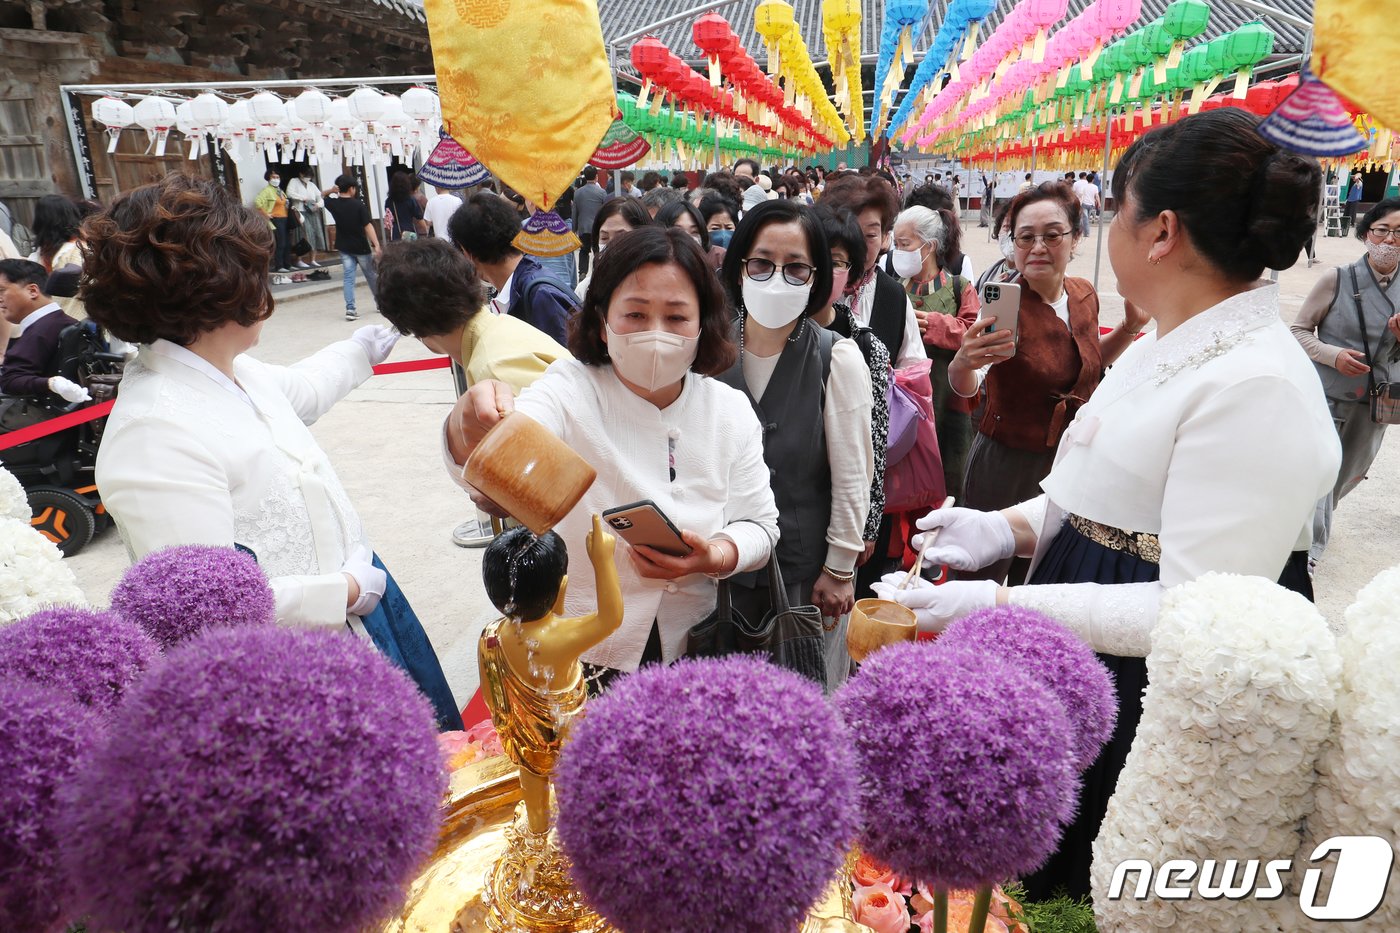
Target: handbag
x,y
788,636
1384,396
916,480
904,421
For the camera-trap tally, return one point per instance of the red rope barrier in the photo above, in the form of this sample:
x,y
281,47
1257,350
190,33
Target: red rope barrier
x,y
84,415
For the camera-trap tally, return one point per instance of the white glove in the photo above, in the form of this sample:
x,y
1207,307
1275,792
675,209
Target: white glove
x,y
68,390
935,607
970,539
377,340
370,578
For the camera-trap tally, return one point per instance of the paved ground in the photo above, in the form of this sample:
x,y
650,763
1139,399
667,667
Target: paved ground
x,y
383,440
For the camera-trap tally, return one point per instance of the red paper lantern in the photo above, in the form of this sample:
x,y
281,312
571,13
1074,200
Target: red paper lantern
x,y
649,56
711,33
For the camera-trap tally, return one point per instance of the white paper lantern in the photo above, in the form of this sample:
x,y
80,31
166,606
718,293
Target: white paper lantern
x,y
184,122
366,104
393,115
340,117
209,110
419,103
115,115
155,115
240,117
313,106
267,109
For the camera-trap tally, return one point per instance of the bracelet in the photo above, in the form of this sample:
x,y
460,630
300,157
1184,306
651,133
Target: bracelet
x,y
838,577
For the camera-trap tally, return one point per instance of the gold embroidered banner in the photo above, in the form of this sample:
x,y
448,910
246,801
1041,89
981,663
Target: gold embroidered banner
x,y
525,86
1356,49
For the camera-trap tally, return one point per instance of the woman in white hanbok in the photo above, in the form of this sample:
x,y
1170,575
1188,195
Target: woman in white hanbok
x,y
1204,449
207,445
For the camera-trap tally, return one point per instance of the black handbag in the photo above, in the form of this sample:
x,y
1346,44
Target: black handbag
x,y
1384,397
789,636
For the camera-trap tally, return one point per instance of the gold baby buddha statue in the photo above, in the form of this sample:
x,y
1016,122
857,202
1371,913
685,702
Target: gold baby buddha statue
x,y
534,686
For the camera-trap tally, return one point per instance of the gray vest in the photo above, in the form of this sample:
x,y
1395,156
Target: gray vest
x,y
794,447
1341,328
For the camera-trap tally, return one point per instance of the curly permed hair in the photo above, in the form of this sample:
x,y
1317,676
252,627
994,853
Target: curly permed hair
x,y
175,259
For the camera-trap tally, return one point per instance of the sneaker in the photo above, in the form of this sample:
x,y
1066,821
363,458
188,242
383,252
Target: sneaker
x,y
472,533
301,265
283,269
351,314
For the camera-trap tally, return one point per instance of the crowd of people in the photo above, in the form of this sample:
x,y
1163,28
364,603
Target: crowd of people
x,y
737,349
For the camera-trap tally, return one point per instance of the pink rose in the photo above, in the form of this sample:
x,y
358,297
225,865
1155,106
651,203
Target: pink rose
x,y
879,907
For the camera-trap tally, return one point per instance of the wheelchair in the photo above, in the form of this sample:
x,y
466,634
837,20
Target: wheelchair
x,y
56,471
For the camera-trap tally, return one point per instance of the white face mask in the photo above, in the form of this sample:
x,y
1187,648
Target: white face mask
x,y
775,303
907,262
1383,255
652,359
1008,247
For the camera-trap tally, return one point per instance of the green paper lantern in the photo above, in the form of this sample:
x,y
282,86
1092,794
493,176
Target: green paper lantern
x,y
1157,39
1186,19
1248,45
1136,52
1215,56
1195,68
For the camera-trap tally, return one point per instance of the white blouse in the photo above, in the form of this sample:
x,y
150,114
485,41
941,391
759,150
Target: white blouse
x,y
1216,438
191,457
721,490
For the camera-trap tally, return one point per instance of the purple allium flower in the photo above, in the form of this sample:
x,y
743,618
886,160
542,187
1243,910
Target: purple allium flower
x,y
91,657
177,592
44,738
258,778
708,795
1041,647
965,764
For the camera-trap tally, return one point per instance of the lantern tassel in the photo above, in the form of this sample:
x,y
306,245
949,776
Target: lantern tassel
x,y
971,41
714,72
1242,83
1174,56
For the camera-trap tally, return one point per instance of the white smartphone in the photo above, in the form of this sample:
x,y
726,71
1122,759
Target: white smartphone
x,y
1002,300
644,523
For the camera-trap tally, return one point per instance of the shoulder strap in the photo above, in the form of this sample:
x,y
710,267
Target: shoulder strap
x,y
528,296
826,339
1365,341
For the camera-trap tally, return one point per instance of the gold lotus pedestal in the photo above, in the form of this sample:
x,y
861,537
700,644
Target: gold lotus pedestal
x,y
459,888
529,888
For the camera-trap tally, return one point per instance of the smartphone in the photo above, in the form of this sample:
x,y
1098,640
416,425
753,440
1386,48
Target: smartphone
x,y
643,523
1002,300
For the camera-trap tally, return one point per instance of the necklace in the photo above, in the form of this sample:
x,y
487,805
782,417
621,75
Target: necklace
x,y
797,332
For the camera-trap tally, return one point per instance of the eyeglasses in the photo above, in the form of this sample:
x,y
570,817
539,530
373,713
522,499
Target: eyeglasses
x,y
1028,240
794,273
841,265
1384,233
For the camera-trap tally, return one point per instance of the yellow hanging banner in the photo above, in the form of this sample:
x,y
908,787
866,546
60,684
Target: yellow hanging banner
x,y
1355,50
525,87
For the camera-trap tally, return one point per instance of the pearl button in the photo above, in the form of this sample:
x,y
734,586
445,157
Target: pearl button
x,y
671,587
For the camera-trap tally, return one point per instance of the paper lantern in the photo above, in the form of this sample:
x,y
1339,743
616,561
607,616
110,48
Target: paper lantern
x,y
115,115
266,109
155,115
711,34
773,19
366,104
1245,48
340,118
313,106
419,103
208,110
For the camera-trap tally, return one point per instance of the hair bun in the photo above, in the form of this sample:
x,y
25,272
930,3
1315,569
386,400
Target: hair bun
x,y
1284,199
